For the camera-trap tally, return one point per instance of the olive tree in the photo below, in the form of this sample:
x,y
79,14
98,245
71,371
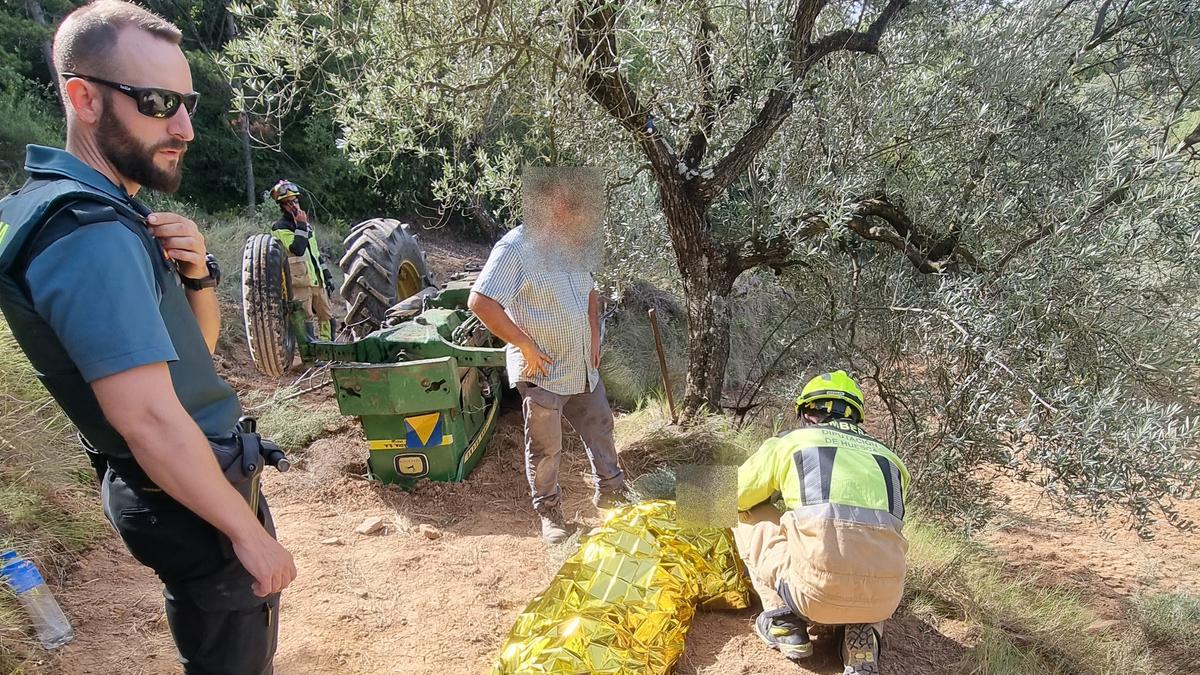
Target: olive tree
x,y
988,210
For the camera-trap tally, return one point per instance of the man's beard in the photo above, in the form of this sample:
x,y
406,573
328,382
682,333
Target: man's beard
x,y
133,159
567,246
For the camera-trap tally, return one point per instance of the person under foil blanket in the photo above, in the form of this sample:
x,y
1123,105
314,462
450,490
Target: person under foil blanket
x,y
537,293
836,556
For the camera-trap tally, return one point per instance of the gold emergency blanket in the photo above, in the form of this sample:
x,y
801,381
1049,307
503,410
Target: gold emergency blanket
x,y
623,602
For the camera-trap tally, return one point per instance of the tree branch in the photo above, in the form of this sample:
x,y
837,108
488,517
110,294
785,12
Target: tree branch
x,y
803,54
866,42
864,229
1119,193
706,114
770,251
1189,141
594,39
897,231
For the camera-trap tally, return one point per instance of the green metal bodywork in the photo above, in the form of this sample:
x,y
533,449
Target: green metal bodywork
x,y
428,399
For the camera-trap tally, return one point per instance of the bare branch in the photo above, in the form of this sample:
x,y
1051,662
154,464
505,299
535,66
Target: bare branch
x,y
866,42
803,54
897,231
770,251
1189,141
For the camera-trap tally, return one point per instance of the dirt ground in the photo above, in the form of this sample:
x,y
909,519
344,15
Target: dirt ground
x,y
401,602
1104,562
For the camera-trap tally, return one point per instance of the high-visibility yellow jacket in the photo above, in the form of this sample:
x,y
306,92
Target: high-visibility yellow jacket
x,y
284,231
845,497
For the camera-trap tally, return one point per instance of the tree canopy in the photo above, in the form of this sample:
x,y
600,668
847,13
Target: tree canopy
x,y
986,210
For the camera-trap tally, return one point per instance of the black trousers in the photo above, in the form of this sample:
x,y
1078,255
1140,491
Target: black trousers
x,y
220,627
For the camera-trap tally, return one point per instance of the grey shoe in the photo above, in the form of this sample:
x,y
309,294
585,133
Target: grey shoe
x,y
782,630
609,500
860,650
554,526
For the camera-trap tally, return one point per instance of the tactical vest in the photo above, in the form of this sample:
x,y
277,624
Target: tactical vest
x,y
43,211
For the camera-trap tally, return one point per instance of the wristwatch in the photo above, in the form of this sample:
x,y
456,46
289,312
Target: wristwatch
x,y
210,281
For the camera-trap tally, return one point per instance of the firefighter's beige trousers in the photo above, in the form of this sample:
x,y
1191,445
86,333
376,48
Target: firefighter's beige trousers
x,y
762,545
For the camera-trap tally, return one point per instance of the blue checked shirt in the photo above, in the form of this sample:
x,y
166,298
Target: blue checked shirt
x,y
551,306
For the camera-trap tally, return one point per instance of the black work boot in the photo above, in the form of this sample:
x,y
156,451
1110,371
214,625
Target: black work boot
x,y
783,630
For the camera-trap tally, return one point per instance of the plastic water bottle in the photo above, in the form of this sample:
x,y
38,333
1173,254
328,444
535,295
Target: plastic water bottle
x,y
53,629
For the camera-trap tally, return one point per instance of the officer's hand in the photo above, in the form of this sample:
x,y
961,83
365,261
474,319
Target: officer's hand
x,y
536,361
267,561
182,241
300,216
328,280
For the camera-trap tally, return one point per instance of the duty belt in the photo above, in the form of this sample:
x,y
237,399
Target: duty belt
x,y
241,456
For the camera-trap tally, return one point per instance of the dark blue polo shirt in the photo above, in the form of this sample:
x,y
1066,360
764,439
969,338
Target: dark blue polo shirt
x,y
114,308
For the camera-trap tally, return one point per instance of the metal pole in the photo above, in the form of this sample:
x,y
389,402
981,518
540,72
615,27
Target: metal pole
x,y
662,364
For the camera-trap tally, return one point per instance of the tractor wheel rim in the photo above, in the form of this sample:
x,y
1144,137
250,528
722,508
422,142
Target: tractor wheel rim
x,y
408,281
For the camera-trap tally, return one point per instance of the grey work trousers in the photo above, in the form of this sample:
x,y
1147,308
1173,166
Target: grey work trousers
x,y
591,417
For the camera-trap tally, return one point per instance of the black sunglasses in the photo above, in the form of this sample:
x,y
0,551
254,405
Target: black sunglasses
x,y
151,101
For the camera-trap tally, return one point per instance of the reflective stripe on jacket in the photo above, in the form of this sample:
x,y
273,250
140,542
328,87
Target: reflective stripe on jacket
x,y
845,497
286,237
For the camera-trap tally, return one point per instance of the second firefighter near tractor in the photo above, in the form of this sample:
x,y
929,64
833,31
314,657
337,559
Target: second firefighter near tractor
x,y
312,284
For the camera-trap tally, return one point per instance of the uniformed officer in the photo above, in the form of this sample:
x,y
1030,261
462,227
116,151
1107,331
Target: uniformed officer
x,y
115,307
836,556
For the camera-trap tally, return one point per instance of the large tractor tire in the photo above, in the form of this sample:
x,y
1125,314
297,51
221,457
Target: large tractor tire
x,y
384,264
266,294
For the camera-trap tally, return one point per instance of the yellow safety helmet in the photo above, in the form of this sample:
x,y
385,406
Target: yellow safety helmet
x,y
834,392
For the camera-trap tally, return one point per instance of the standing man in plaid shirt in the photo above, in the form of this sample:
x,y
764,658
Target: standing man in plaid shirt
x,y
537,293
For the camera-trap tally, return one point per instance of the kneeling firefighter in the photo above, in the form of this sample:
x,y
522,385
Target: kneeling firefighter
x,y
836,555
312,284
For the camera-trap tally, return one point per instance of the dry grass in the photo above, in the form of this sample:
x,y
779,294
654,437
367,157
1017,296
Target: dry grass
x,y
1020,627
294,425
48,502
649,441
1171,621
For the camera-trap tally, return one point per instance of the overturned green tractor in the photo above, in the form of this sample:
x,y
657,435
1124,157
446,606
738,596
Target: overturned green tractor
x,y
423,374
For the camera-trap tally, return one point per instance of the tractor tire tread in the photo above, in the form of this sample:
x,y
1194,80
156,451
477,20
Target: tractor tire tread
x,y
264,305
375,251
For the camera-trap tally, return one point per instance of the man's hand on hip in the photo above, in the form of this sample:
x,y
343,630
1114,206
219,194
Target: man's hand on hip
x,y
536,361
182,241
141,405
267,561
